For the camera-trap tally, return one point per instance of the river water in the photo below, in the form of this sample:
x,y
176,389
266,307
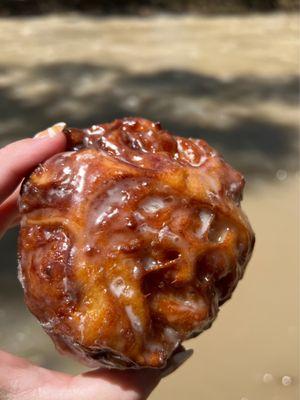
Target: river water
x,y
230,80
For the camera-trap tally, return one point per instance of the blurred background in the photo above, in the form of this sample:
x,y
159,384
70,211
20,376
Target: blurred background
x,y
226,71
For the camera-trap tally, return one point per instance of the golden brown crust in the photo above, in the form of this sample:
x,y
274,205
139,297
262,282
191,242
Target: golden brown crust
x,y
130,241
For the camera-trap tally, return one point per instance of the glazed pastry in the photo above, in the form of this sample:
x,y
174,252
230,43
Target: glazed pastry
x,y
130,241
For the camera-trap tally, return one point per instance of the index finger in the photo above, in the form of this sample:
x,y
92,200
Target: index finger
x,y
19,158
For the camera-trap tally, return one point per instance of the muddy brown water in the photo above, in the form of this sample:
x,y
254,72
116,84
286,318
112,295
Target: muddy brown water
x,y
231,80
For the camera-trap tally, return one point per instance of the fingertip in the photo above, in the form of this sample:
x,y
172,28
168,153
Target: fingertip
x,y
52,132
53,135
19,158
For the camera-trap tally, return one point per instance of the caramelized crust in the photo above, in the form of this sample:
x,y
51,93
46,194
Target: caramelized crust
x,y
130,241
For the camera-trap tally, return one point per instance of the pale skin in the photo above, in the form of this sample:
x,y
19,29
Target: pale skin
x,y
19,379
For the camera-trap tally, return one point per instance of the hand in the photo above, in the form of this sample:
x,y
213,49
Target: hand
x,y
19,379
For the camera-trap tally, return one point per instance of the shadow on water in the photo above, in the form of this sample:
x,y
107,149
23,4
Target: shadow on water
x,y
186,103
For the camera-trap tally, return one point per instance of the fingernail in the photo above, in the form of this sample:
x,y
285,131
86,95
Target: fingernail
x,y
176,361
51,132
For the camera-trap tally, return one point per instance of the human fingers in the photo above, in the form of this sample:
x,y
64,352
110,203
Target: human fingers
x,y
19,158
